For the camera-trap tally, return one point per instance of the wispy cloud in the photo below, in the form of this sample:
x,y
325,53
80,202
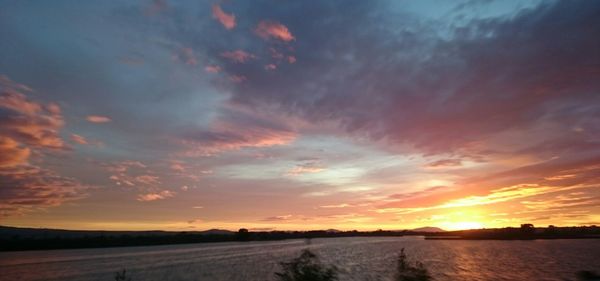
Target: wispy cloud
x,y
238,56
227,20
155,196
98,119
268,29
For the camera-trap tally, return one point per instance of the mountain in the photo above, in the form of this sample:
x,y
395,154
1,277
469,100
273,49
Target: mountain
x,y
428,229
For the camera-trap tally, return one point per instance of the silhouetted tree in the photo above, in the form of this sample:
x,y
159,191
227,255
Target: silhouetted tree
x,y
306,267
243,234
527,228
407,272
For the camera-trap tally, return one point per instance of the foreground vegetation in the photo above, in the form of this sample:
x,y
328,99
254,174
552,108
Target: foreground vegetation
x,y
308,267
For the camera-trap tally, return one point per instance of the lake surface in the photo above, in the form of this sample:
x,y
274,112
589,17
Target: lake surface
x,y
361,258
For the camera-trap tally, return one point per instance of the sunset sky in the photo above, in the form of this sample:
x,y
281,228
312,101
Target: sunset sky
x,y
286,115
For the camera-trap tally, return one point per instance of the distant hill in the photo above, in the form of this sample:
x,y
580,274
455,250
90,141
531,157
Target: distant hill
x,y
7,232
428,229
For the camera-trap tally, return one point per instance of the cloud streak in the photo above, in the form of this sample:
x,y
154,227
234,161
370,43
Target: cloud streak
x,y
227,20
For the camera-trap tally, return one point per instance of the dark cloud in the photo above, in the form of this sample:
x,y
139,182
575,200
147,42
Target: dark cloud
x,y
400,82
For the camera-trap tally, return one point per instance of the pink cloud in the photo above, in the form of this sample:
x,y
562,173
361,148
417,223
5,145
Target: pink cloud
x,y
28,188
267,29
97,119
246,129
291,59
227,20
148,179
238,56
29,122
12,153
270,66
26,128
79,139
212,68
155,196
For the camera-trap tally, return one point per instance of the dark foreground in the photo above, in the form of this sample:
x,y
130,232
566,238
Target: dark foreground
x,y
355,258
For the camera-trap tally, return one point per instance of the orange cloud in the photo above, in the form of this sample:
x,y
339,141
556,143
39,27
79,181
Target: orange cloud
x,y
29,122
445,163
11,153
271,29
147,179
238,56
27,126
227,20
155,196
97,119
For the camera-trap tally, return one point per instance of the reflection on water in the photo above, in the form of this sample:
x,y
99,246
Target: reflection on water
x,y
361,258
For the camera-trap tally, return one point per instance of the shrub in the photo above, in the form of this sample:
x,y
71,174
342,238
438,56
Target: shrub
x,y
306,267
408,272
122,276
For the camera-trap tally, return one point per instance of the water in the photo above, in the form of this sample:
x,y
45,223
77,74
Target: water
x,y
363,258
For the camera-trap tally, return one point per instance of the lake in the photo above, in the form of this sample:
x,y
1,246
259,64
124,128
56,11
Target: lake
x,y
360,258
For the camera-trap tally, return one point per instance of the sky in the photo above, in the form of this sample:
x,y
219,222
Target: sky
x,y
294,115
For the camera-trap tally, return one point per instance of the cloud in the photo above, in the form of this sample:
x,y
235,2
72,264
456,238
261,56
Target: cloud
x,y
227,20
237,129
148,179
267,29
291,59
309,167
481,89
278,218
30,122
79,139
28,128
238,56
343,205
270,66
29,188
12,153
212,68
155,196
445,163
98,119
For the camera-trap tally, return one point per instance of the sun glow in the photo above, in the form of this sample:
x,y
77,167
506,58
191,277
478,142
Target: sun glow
x,y
461,225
